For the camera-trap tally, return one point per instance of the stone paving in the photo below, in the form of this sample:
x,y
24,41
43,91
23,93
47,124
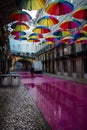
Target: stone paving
x,y
18,111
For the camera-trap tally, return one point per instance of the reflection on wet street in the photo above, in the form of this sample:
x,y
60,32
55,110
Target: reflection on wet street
x,y
63,103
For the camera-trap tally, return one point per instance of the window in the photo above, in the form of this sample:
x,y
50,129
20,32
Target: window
x,y
65,66
58,67
85,65
73,48
84,47
73,66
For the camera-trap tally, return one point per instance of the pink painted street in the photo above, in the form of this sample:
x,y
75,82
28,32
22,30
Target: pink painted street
x,y
62,103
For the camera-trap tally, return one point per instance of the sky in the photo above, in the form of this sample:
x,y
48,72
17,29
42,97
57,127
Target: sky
x,y
23,46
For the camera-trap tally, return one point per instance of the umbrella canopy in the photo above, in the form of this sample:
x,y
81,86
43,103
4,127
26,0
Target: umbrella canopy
x,y
20,38
81,13
48,42
19,23
81,40
84,27
61,33
70,24
31,4
79,34
35,35
41,30
20,15
21,26
47,21
59,7
33,40
51,38
18,33
67,39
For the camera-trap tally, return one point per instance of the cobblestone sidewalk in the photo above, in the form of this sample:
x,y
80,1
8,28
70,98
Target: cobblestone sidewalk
x,y
18,111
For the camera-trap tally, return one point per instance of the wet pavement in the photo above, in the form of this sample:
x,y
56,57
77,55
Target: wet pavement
x,y
18,111
63,103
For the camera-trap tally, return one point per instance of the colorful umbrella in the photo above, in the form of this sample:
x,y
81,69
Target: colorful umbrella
x,y
47,21
31,4
59,7
21,26
81,13
67,39
84,27
51,38
35,35
18,33
20,38
82,40
79,34
41,30
70,24
48,42
33,40
13,26
61,33
20,15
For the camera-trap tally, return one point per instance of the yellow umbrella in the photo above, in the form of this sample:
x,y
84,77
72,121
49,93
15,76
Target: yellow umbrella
x,y
31,4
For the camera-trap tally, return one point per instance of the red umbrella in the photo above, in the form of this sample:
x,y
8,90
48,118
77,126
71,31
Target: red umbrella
x,y
60,7
70,24
84,27
81,13
20,15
